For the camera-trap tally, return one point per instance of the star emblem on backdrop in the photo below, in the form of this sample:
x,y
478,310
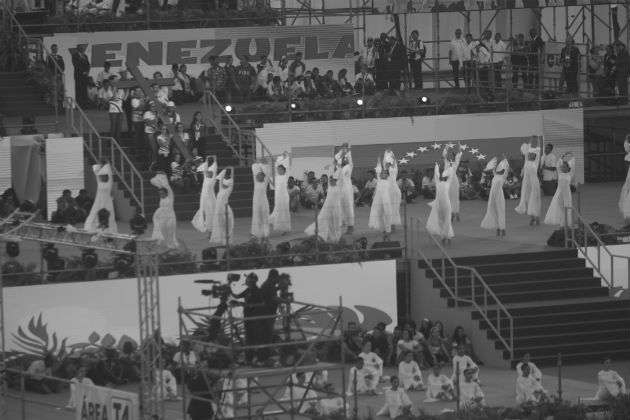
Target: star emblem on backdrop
x,y
409,156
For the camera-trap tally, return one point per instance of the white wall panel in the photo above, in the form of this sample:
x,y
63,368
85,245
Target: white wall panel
x,y
5,163
64,168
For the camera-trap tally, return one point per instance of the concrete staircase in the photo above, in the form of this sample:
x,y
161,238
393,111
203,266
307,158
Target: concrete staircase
x,y
19,98
558,306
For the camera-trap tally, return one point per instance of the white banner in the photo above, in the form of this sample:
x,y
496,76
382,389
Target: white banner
x,y
328,47
105,313
5,163
99,403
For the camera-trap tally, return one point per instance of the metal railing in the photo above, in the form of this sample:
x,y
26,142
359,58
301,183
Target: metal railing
x,y
107,147
578,234
490,303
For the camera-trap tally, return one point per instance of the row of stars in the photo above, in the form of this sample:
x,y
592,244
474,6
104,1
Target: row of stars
x,y
435,146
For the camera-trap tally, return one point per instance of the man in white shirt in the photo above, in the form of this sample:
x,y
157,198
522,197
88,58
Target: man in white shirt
x,y
417,52
499,50
456,55
367,55
549,171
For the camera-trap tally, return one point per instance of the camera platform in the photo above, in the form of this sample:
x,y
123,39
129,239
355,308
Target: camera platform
x,y
287,376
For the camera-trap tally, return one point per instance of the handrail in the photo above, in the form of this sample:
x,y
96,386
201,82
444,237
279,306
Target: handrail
x,y
211,106
122,166
570,241
474,277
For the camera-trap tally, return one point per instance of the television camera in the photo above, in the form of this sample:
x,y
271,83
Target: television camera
x,y
220,290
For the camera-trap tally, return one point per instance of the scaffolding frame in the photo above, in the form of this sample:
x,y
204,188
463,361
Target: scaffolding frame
x,y
273,382
21,225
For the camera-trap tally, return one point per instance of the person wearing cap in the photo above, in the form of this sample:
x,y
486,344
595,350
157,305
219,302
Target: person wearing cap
x,y
245,78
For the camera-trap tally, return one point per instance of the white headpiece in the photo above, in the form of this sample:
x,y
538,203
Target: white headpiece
x,y
160,181
491,165
105,170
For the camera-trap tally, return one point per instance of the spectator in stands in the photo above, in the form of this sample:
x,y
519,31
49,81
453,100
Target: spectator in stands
x,y
519,61
482,62
425,327
342,85
177,178
364,82
84,201
54,58
294,194
367,192
164,144
230,79
183,136
397,60
138,105
595,71
366,58
417,52
276,91
67,210
245,78
382,47
79,379
460,338
610,73
129,361
103,79
536,48
282,69
428,184
171,113
312,193
35,380
408,344
196,130
216,79
352,342
499,55
440,327
293,87
456,55
512,186
622,67
81,73
308,86
570,60
116,110
436,348
469,63
177,90
190,93
161,92
380,342
297,67
549,171
326,85
407,187
265,65
264,69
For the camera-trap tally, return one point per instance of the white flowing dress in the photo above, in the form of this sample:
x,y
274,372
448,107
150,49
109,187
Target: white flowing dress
x,y
610,383
330,218
222,224
382,209
164,219
260,203
202,221
562,197
527,388
624,199
453,190
394,191
103,200
435,386
530,189
347,192
439,221
495,213
407,372
280,218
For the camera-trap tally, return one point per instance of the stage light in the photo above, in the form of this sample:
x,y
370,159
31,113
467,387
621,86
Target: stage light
x,y
122,263
229,108
283,248
361,243
138,224
360,102
294,106
89,258
56,265
424,100
209,256
50,253
13,249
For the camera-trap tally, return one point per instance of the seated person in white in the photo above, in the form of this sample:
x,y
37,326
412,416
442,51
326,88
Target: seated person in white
x,y
462,362
610,383
333,406
397,402
440,387
229,389
302,398
79,379
165,387
317,379
470,394
410,374
533,369
528,388
361,379
372,361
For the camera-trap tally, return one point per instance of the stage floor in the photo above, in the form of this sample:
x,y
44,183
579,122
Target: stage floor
x,y
497,384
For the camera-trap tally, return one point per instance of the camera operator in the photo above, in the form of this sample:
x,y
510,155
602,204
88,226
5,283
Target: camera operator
x,y
252,307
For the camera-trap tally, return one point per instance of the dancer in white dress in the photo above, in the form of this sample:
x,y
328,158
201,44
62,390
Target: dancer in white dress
x,y
439,221
103,200
381,211
343,159
372,361
624,199
223,218
391,164
562,198
330,218
451,160
397,402
260,203
530,188
610,383
202,221
280,218
410,374
164,219
528,389
495,213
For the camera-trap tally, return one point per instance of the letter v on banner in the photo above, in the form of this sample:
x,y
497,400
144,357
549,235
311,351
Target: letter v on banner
x,y
146,88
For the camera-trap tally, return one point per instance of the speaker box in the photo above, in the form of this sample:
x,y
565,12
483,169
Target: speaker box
x,y
379,250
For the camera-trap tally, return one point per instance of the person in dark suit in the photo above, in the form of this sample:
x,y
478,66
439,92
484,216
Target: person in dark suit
x,y
535,48
81,75
570,60
622,68
53,58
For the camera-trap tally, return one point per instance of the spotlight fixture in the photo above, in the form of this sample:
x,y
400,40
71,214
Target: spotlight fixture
x,y
229,108
360,102
50,253
294,106
283,248
138,224
13,249
89,258
424,100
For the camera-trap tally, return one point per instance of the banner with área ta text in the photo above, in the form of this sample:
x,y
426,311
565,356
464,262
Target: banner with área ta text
x,y
99,403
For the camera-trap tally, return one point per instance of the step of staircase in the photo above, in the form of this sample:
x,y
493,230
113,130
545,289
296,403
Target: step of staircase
x,y
557,306
19,98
